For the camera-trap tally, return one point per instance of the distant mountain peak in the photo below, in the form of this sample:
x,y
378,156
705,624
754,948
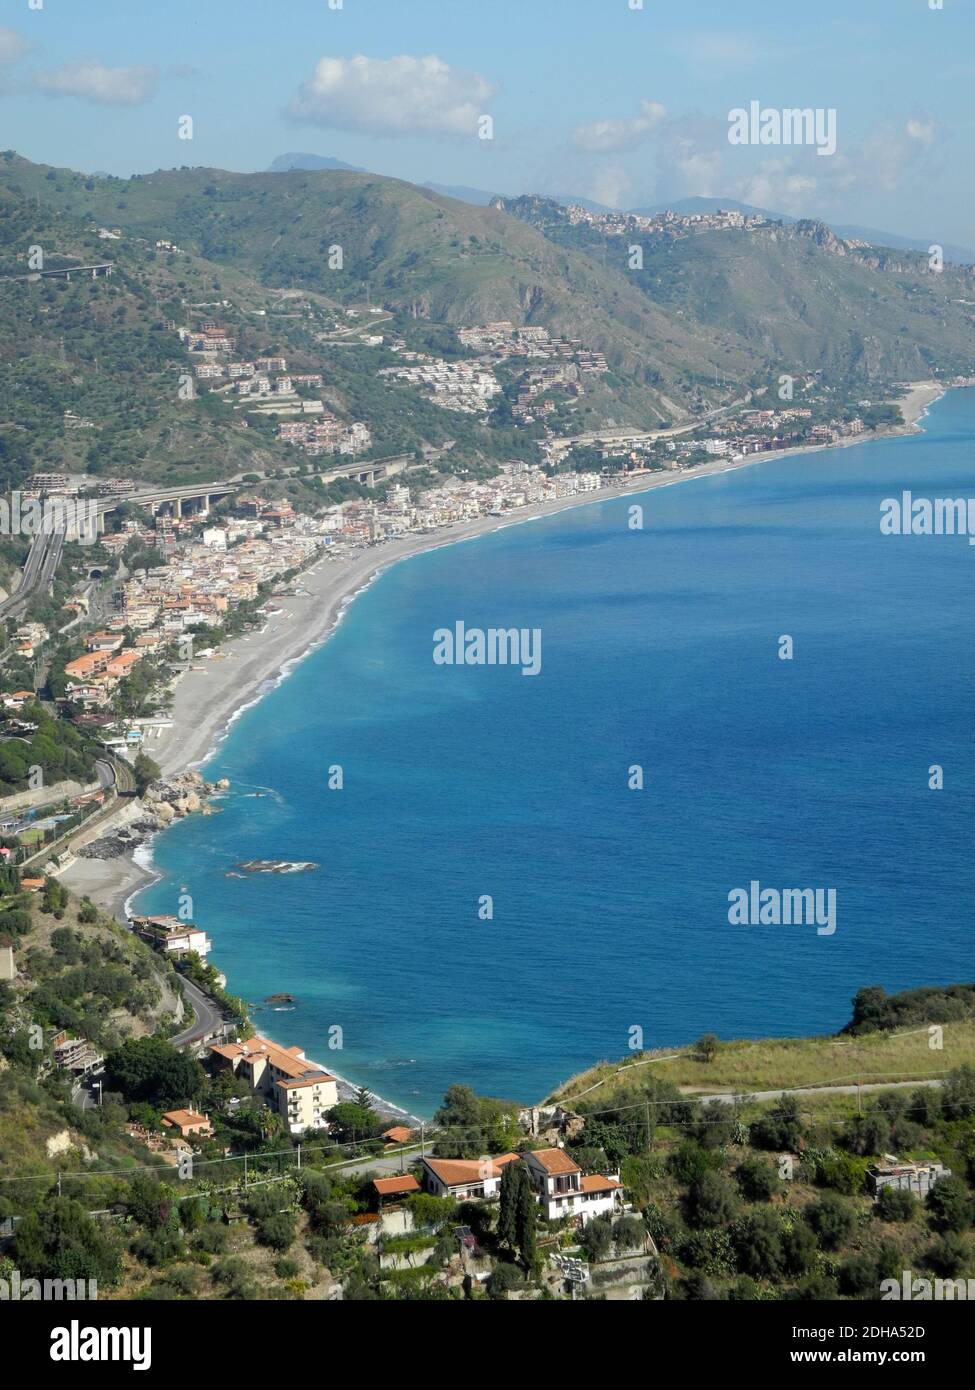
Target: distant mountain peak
x,y
285,163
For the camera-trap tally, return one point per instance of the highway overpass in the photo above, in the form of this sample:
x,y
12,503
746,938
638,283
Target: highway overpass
x,y
195,499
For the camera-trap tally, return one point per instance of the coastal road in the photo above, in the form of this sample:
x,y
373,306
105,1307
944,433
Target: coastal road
x,y
208,1018
391,1164
730,1097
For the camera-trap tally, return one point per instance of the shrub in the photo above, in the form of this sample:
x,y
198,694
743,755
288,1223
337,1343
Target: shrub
x,y
858,1277
896,1204
948,1256
658,1227
843,1172
688,1162
798,1249
950,1205
504,1278
59,1240
276,1230
832,1220
212,1238
778,1128
711,1201
597,1238
757,1180
629,1233
234,1275
697,1287
815,1288
757,1239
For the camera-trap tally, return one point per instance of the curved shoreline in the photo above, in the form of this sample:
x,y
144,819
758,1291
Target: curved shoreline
x,y
209,700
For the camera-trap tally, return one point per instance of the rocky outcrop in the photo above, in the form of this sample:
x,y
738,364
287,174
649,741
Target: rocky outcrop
x,y
164,801
182,795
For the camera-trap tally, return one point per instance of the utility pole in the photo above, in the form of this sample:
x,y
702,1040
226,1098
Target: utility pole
x,y
423,1148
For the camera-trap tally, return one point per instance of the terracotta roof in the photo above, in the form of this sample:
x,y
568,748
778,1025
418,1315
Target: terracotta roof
x,y
315,1078
454,1172
182,1118
592,1182
554,1161
392,1187
398,1134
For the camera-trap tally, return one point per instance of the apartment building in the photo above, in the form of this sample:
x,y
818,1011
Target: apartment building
x,y
295,1088
171,936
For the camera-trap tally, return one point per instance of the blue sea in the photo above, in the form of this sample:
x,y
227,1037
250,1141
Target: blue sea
x,y
660,648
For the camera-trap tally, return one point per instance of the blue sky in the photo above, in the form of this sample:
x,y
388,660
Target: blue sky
x,y
588,97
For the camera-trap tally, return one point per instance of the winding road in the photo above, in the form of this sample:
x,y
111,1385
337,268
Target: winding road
x,y
207,1016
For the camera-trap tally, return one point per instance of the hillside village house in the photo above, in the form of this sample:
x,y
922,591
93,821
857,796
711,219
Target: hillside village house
x,y
188,1122
918,1178
561,1187
564,1190
282,1076
397,1134
171,936
466,1178
392,1190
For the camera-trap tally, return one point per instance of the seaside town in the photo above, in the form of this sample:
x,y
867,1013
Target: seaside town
x,y
206,561
340,963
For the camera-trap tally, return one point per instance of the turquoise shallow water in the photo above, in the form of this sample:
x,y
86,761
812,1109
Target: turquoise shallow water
x,y
659,647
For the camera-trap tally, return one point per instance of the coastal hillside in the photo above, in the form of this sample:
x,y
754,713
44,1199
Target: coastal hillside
x,y
708,316
79,974
795,1196
795,293
425,256
914,1035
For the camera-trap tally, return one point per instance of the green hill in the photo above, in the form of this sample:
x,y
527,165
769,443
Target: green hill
x,y
707,318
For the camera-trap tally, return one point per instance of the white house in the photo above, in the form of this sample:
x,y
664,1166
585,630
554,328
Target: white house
x,y
465,1178
561,1187
564,1190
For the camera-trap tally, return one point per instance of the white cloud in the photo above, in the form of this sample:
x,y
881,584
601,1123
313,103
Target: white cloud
x,y
714,49
694,158
394,96
610,186
923,130
93,81
12,47
602,137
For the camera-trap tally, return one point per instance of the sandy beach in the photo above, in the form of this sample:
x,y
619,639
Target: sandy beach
x,y
207,699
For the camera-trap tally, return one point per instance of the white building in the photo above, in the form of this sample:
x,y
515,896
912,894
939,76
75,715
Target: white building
x,y
564,1190
465,1178
561,1187
299,1091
